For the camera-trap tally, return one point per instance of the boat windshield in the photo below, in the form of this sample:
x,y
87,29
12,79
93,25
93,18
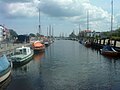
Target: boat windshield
x,y
20,51
17,52
24,51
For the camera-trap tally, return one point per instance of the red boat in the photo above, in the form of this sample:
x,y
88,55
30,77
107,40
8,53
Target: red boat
x,y
38,46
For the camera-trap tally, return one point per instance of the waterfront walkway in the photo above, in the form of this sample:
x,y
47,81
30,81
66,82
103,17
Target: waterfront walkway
x,y
7,48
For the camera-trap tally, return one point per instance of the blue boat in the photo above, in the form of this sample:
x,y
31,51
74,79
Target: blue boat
x,y
5,68
109,51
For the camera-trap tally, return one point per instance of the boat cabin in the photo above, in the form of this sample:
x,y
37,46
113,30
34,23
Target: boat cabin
x,y
23,50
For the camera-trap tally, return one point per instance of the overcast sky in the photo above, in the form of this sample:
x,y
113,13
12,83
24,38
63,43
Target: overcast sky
x,y
63,15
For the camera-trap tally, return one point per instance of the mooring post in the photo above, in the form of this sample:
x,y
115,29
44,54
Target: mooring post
x,y
100,42
108,42
97,41
103,41
114,43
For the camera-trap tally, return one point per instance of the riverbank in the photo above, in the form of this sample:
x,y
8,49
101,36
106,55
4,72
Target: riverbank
x,y
8,48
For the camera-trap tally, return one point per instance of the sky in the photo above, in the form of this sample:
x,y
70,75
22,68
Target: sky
x,y
64,15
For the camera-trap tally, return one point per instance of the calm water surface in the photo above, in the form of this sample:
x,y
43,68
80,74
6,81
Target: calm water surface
x,y
67,65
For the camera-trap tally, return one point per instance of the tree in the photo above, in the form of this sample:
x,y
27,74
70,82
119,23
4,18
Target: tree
x,y
72,35
37,34
13,33
32,35
118,32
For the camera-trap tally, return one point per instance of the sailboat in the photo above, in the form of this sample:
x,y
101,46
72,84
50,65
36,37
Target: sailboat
x,y
38,45
87,43
108,50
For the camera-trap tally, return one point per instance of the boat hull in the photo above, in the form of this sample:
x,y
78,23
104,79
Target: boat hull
x,y
6,74
22,62
4,77
46,45
109,53
37,51
88,45
5,83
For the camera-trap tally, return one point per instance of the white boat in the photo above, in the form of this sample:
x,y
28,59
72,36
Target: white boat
x,y
5,68
46,43
21,55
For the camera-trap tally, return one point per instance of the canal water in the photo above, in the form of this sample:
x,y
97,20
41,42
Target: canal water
x,y
67,65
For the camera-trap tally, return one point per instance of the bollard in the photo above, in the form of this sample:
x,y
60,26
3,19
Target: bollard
x,y
115,43
103,41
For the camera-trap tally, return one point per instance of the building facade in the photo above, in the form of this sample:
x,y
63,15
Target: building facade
x,y
4,33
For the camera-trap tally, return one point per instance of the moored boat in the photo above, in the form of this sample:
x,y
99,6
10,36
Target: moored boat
x,y
87,44
5,68
109,51
46,42
21,55
37,46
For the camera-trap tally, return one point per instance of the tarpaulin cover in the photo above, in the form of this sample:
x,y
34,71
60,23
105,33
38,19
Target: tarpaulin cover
x,y
38,44
4,63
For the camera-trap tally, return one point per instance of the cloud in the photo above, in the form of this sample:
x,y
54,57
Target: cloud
x,y
76,11
22,9
14,1
71,10
60,8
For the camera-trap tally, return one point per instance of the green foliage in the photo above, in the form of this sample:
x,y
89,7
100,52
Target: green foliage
x,y
13,33
115,38
32,35
106,33
97,37
38,35
118,32
72,35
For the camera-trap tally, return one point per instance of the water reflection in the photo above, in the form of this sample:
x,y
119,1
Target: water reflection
x,y
22,69
4,84
38,56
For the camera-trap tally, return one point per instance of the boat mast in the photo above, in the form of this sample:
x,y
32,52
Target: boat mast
x,y
52,32
111,17
87,19
79,28
39,20
79,31
47,31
